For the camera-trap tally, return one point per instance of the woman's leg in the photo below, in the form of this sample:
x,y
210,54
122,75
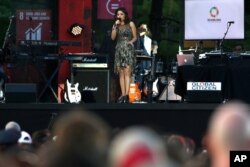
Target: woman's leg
x,y
122,81
127,78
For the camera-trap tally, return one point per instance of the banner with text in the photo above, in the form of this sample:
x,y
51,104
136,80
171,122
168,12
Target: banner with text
x,y
106,8
33,24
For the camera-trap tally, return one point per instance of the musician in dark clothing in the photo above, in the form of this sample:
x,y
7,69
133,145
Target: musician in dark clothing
x,y
143,65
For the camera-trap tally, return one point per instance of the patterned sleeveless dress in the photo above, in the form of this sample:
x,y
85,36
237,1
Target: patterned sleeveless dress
x,y
124,53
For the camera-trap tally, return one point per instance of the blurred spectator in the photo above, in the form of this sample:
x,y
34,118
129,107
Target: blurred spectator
x,y
25,141
137,147
81,140
228,130
200,160
12,125
8,139
25,138
180,149
40,137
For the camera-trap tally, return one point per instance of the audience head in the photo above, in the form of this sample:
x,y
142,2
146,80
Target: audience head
x,y
228,130
179,148
12,125
8,138
81,140
137,147
229,126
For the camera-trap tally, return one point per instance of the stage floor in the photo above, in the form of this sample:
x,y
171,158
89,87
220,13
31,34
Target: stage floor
x,y
189,119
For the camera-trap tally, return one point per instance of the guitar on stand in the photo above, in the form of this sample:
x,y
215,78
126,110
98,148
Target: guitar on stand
x,y
151,80
72,93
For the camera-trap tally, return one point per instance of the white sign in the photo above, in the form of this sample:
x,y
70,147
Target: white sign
x,y
204,86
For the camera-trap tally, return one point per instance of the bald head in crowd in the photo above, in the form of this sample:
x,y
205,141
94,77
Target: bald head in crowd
x,y
228,130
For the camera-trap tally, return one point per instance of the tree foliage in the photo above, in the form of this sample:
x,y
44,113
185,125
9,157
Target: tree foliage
x,y
5,8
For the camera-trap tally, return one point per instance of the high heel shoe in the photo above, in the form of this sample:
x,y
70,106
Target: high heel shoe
x,y
126,99
120,99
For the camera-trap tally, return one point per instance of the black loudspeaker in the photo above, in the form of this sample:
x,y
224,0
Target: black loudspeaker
x,y
93,84
20,93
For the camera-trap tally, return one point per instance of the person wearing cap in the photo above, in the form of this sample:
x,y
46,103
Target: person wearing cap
x,y
8,138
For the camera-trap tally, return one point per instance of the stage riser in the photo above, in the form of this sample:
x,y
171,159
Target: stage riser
x,y
187,119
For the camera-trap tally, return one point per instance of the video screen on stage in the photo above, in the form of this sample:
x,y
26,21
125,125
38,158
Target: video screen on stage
x,y
209,19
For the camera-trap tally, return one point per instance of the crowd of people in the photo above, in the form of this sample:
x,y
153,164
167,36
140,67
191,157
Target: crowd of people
x,y
81,138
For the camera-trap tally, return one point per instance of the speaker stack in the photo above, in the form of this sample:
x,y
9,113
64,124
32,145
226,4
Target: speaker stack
x,y
93,84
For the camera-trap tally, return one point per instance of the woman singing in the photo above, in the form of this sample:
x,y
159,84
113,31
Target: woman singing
x,y
124,31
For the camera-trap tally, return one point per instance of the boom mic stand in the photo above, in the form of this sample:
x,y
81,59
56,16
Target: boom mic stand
x,y
222,40
151,77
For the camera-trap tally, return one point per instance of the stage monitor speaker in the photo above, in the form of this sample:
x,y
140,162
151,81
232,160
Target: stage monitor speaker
x,y
93,84
20,93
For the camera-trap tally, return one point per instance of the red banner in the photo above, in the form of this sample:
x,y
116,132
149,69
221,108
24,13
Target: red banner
x,y
106,8
33,24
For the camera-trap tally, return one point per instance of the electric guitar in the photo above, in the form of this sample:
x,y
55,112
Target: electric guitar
x,y
72,93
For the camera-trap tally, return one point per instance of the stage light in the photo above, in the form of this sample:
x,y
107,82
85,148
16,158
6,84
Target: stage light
x,y
76,29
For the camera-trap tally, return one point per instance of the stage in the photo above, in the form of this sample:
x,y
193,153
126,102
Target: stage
x,y
189,119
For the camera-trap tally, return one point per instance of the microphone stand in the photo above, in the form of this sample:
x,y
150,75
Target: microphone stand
x,y
151,77
222,40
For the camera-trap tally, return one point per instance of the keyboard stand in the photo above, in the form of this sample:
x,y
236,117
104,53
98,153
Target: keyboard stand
x,y
49,82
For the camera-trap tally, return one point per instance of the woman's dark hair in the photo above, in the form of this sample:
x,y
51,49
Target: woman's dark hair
x,y
123,10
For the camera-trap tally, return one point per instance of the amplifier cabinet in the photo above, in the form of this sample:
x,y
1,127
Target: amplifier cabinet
x,y
93,84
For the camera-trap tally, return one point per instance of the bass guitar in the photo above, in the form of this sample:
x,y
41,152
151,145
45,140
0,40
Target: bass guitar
x,y
72,93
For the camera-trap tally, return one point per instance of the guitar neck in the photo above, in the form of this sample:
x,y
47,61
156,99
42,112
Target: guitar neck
x,y
71,73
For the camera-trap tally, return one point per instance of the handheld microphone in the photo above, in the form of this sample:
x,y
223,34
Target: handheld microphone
x,y
230,22
117,20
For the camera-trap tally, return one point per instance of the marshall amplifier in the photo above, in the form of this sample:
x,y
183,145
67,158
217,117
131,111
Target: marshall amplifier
x,y
93,84
91,61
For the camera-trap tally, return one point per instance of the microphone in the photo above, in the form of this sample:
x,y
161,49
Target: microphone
x,y
117,20
230,22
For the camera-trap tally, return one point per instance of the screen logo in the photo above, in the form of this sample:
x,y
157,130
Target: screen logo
x,y
214,12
